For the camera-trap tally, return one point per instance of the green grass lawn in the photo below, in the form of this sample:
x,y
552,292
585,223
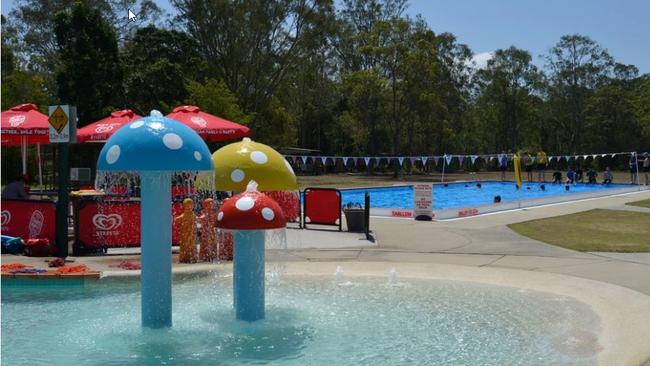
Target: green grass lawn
x,y
592,231
643,203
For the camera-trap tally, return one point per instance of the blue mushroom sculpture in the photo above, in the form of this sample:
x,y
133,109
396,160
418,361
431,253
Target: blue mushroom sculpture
x,y
154,147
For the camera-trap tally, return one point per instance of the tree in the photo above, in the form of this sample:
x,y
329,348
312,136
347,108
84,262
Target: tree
x,y
577,66
34,22
251,45
90,73
158,63
214,97
507,88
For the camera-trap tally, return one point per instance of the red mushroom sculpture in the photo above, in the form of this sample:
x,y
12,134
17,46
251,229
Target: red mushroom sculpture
x,y
248,214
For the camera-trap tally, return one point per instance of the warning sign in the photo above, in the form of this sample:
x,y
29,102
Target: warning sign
x,y
62,123
423,201
58,119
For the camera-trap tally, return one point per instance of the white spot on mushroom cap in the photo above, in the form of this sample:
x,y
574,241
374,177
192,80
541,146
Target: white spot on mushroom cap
x,y
113,154
268,214
220,216
289,167
259,157
245,203
137,124
197,156
237,175
172,141
156,125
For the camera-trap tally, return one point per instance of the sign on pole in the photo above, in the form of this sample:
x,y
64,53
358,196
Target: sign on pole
x,y
423,202
63,123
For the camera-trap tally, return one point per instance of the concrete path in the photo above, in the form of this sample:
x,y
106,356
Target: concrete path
x,y
486,241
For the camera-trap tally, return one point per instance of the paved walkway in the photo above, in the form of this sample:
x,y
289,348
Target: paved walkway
x,y
486,241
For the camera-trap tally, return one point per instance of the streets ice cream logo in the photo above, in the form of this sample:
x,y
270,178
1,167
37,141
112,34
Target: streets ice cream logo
x,y
107,224
104,128
16,121
36,224
199,121
5,219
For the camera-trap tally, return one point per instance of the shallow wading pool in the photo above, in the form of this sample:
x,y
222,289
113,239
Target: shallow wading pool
x,y
310,321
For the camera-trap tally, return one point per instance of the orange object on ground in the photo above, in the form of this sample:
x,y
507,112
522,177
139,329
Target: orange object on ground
x,y
208,220
13,266
80,268
187,222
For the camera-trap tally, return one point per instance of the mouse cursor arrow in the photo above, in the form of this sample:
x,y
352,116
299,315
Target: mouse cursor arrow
x,y
131,16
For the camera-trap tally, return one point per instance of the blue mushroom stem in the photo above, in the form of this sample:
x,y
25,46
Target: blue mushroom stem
x,y
156,238
248,275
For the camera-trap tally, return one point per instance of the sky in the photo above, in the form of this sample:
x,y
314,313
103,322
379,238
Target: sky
x,y
620,26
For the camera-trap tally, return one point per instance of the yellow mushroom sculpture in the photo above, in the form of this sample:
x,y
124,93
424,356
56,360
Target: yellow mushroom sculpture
x,y
238,163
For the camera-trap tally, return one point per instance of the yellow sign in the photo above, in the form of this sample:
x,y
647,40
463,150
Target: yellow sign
x,y
58,120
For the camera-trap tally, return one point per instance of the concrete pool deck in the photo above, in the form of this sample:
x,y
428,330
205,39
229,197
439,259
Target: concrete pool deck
x,y
481,249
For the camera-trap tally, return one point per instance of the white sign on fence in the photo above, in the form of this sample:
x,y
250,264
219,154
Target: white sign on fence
x,y
422,201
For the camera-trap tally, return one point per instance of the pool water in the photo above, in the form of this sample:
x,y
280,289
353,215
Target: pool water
x,y
310,321
465,194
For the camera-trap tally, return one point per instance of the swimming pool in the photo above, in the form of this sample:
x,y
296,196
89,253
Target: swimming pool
x,y
467,194
310,321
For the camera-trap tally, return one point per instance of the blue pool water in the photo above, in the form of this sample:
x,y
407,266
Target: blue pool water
x,y
465,194
310,321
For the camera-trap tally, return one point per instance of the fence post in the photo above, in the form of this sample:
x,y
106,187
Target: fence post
x,y
367,215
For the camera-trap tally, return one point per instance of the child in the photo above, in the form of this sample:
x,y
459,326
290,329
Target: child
x,y
608,177
570,176
557,177
591,175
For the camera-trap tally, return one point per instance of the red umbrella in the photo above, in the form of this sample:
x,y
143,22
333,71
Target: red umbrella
x,y
24,124
209,127
101,130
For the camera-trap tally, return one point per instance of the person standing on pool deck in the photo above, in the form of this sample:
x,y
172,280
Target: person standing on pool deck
x,y
633,168
542,160
646,167
528,164
503,164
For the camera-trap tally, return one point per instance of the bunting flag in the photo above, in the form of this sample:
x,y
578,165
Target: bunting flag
x,y
473,158
613,155
603,155
356,160
448,158
585,157
413,159
567,157
594,156
323,159
424,160
400,160
345,160
493,157
304,159
367,161
436,160
460,159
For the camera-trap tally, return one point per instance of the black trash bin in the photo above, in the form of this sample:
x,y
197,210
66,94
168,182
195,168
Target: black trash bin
x,y
355,218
